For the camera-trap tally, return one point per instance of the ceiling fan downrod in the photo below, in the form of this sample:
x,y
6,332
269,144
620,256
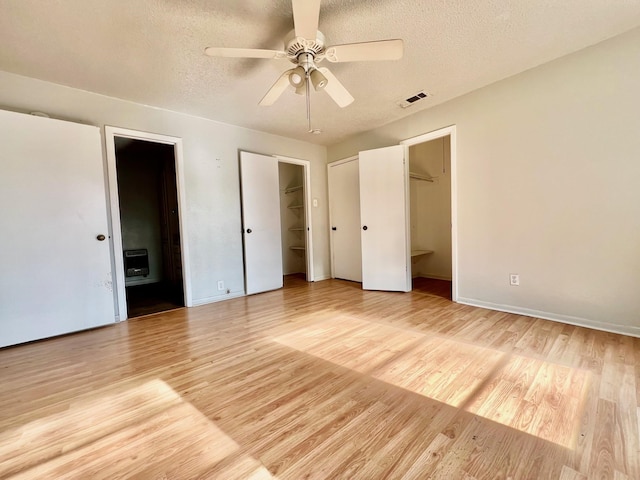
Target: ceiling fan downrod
x,y
311,76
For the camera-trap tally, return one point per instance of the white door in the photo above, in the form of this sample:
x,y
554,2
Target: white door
x,y
55,275
383,216
344,208
261,222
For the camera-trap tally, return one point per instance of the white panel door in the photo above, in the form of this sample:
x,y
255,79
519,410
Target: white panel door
x,y
55,275
261,222
383,212
344,206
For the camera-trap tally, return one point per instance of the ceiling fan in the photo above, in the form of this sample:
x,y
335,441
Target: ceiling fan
x,y
305,47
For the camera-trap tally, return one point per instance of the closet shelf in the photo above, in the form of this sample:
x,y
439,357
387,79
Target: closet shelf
x,y
293,189
296,248
419,176
419,253
295,206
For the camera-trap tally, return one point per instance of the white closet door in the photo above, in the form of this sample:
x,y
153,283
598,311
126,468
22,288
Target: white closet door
x,y
261,222
344,205
55,274
383,211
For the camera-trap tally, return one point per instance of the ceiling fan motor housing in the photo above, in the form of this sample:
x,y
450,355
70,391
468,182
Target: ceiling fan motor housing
x,y
296,46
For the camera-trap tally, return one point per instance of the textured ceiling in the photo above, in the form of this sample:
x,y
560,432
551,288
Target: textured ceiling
x,y
151,52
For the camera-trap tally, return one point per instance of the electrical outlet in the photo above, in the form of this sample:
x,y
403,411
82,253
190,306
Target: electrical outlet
x,y
514,279
220,285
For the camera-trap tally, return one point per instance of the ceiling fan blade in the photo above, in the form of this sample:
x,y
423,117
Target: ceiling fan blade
x,y
276,90
243,52
335,89
306,14
355,52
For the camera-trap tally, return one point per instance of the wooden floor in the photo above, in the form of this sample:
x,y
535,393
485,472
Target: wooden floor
x,y
323,381
432,286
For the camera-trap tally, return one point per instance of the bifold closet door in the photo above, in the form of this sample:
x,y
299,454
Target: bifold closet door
x,y
261,222
383,218
55,261
344,205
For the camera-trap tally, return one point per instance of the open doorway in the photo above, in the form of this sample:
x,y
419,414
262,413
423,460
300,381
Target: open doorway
x,y
430,220
148,234
276,220
150,226
294,179
293,220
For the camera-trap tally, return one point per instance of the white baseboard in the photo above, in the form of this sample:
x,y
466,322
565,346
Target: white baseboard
x,y
217,298
556,317
321,278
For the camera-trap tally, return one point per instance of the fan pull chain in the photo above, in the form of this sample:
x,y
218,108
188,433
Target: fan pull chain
x,y
308,102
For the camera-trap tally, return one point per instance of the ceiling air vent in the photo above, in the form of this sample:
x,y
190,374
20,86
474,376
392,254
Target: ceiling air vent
x,y
407,102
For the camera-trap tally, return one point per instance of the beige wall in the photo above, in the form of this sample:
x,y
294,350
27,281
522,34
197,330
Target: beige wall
x,y
548,186
213,220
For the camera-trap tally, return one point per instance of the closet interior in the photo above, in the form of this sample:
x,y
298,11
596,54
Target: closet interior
x,y
293,219
148,200
430,207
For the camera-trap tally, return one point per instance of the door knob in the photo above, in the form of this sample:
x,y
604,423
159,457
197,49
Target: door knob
x,y
100,237
249,230
333,228
365,227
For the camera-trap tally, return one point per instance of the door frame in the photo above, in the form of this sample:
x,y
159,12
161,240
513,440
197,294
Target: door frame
x,y
331,247
306,164
110,134
426,137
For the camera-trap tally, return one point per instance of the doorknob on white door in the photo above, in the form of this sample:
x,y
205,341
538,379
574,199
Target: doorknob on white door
x,y
365,227
249,230
100,237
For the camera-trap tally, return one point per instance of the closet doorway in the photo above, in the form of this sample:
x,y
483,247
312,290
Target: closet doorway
x,y
430,205
147,225
409,191
276,220
344,214
293,221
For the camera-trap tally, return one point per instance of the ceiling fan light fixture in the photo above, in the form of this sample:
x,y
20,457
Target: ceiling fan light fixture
x,y
318,80
297,77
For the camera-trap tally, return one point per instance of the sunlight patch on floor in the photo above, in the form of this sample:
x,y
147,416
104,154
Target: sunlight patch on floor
x,y
147,430
534,396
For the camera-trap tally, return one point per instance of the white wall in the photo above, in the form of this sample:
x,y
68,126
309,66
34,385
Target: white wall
x,y
211,173
548,172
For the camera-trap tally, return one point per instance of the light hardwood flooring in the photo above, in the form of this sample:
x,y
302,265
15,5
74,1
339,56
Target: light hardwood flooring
x,y
323,381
